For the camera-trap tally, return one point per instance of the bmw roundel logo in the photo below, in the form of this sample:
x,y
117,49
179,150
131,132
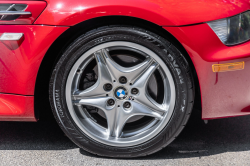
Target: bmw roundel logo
x,y
120,93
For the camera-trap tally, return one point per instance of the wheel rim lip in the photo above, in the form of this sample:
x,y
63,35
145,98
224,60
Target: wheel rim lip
x,y
121,142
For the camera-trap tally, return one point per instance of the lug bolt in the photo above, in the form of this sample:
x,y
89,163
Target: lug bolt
x,y
123,80
111,102
107,87
127,104
134,91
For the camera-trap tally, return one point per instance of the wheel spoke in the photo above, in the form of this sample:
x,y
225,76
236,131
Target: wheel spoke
x,y
142,80
141,85
146,100
103,78
131,73
121,119
111,120
103,72
110,112
115,120
136,109
140,109
99,102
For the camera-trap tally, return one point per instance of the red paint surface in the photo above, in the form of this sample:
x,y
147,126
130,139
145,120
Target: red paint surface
x,y
161,12
202,40
35,7
19,64
16,108
224,94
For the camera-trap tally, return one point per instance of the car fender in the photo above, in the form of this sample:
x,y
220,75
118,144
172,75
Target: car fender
x,y
160,12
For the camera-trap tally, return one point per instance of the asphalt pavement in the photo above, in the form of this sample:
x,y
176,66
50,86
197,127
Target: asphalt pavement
x,y
220,142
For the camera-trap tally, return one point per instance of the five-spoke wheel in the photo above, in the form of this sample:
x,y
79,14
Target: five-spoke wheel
x,y
121,92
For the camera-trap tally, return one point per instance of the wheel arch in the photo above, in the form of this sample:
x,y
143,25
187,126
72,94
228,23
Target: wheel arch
x,y
50,59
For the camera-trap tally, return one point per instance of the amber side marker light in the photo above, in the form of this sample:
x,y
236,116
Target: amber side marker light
x,y
228,67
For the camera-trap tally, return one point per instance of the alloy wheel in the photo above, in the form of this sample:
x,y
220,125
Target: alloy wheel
x,y
119,108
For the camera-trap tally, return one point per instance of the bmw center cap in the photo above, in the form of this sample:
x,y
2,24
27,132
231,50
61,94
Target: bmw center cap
x,y
120,93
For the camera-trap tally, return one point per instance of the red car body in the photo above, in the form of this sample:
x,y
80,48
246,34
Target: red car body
x,y
224,94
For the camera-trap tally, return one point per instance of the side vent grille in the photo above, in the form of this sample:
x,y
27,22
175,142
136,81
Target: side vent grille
x,y
10,12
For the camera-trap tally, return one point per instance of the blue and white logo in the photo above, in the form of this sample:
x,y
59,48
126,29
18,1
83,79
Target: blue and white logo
x,y
120,93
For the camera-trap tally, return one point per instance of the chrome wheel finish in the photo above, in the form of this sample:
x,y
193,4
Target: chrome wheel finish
x,y
130,96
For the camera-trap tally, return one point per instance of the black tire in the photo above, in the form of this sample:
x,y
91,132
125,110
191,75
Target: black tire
x,y
173,58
